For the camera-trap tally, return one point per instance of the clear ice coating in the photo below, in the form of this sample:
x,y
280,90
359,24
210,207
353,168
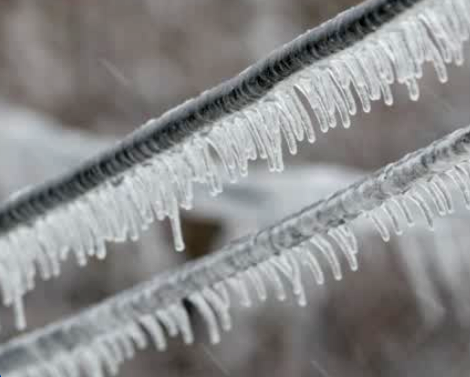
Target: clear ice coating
x,y
320,96
213,302
433,197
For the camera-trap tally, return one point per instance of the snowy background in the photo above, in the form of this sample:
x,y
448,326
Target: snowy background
x,y
77,75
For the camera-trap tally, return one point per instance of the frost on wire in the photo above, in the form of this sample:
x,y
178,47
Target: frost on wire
x,y
317,98
418,187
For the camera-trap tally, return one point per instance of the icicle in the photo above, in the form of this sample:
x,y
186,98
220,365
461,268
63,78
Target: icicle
x,y
18,306
327,250
102,226
128,211
158,190
440,36
194,156
166,319
110,363
30,249
53,223
271,274
311,262
300,104
100,250
417,199
245,148
349,237
286,126
109,341
464,168
188,187
219,307
222,290
84,224
255,134
199,301
219,140
45,245
310,102
142,196
125,342
155,330
136,334
182,321
276,143
343,79
416,39
317,102
282,264
324,96
435,196
236,149
176,181
210,169
337,98
365,63
99,203
461,14
358,81
112,208
440,195
346,247
5,286
287,107
380,226
176,225
460,181
22,263
433,56
90,363
266,137
190,158
413,89
384,72
393,218
247,144
250,142
399,52
298,287
257,282
240,289
447,197
401,204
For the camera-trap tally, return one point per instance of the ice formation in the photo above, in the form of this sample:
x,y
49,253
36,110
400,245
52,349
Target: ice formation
x,y
425,183
319,96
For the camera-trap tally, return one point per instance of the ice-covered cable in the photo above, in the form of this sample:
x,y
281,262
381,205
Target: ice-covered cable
x,y
315,82
110,332
253,127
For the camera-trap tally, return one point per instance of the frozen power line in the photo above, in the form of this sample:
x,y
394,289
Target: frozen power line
x,y
102,337
307,84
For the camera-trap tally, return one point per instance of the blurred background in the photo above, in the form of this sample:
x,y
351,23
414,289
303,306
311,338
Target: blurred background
x,y
75,76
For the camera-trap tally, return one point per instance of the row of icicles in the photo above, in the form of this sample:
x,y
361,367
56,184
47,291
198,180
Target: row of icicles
x,y
432,198
323,94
